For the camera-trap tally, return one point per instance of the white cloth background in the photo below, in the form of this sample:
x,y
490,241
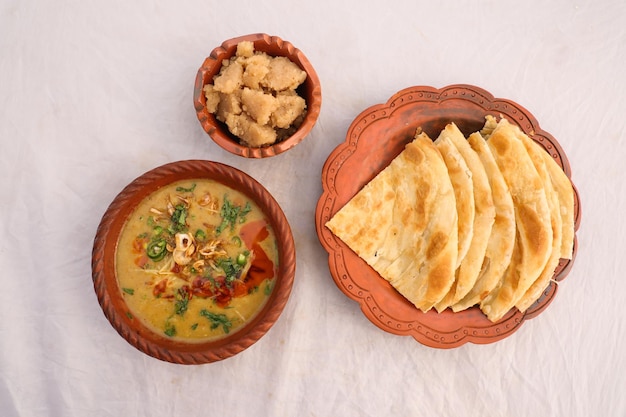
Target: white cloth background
x,y
95,93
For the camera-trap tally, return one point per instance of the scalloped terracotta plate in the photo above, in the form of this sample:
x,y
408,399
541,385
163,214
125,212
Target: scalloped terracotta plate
x,y
109,294
374,138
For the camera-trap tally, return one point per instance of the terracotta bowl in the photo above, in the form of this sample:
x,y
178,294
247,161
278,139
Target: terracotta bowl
x,y
108,291
374,138
310,90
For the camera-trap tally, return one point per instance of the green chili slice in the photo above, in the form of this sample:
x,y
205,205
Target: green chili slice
x,y
156,249
200,235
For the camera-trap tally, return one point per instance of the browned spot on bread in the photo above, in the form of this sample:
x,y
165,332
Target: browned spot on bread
x,y
360,200
440,278
436,244
534,229
500,146
413,153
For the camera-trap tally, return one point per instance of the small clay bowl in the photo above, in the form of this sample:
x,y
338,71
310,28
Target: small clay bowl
x,y
112,300
310,90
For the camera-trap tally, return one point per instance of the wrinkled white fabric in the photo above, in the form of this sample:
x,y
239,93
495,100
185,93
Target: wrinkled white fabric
x,y
93,94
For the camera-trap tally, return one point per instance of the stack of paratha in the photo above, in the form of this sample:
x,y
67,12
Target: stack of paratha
x,y
456,222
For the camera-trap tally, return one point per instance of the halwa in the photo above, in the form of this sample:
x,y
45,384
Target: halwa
x,y
256,96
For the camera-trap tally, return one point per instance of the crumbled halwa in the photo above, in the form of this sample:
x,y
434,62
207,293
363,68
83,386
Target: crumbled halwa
x,y
255,95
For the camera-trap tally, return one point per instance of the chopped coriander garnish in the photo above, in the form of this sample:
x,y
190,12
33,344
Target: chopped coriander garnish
x,y
231,269
231,214
186,190
178,219
170,330
129,291
182,302
244,212
217,320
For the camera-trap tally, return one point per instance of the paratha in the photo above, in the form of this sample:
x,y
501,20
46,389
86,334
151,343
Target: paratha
x,y
403,223
458,223
502,236
541,283
461,179
565,192
533,241
484,215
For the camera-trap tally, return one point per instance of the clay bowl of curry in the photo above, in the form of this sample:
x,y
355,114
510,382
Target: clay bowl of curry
x,y
257,95
193,262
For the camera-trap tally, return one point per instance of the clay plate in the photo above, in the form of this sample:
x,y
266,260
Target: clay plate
x,y
374,138
105,281
311,91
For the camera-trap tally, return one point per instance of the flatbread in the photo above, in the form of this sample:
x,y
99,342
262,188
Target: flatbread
x,y
484,215
403,223
565,193
541,283
533,241
502,236
456,223
461,179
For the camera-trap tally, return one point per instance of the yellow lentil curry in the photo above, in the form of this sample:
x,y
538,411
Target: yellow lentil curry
x,y
196,260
